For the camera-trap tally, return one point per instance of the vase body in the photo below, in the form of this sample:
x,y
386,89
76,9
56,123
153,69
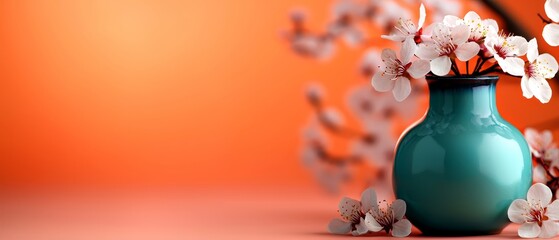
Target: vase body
x,y
462,165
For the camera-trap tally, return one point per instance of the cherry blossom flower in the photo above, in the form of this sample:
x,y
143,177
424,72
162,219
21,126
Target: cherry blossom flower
x,y
332,117
406,28
391,13
312,46
366,104
370,63
447,43
506,50
536,214
442,8
478,28
345,12
390,219
537,70
315,93
540,142
542,148
353,214
305,43
371,9
378,144
551,31
539,174
329,177
397,73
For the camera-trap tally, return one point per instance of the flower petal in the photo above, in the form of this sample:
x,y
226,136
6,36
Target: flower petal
x,y
553,210
540,88
467,51
338,226
516,210
552,155
419,69
539,193
361,228
520,43
552,9
546,138
551,34
402,89
388,55
427,52
396,37
372,223
534,139
422,16
383,82
451,20
353,36
525,89
515,66
349,208
460,34
441,66
547,65
548,229
539,174
529,230
532,53
368,200
401,228
408,50
471,15
492,24
399,209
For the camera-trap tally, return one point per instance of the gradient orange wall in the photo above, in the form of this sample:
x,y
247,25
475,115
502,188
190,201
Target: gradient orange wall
x,y
195,92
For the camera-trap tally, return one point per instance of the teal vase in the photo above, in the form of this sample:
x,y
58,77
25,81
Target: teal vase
x,y
462,165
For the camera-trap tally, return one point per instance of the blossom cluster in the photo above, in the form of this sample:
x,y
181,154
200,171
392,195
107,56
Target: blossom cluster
x,y
437,48
370,143
367,215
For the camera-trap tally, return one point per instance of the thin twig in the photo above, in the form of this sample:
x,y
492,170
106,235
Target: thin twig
x,y
454,68
489,69
478,67
544,20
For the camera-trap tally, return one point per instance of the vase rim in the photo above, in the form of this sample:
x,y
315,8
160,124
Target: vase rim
x,y
467,77
461,81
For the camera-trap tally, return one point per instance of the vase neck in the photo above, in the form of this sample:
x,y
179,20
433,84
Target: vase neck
x,y
462,97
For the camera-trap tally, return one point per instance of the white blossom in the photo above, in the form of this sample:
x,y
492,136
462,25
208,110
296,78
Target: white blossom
x,y
397,73
407,29
506,50
537,214
390,219
447,43
353,214
537,70
551,31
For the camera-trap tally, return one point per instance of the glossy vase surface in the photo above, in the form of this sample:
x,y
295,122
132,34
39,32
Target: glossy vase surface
x,y
461,166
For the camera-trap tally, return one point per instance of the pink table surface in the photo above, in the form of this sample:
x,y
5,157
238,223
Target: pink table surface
x,y
203,213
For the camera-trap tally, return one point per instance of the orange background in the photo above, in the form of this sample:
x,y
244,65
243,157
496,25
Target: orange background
x,y
197,95
172,92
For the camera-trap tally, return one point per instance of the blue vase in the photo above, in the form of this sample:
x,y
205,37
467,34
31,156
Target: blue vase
x,y
461,166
